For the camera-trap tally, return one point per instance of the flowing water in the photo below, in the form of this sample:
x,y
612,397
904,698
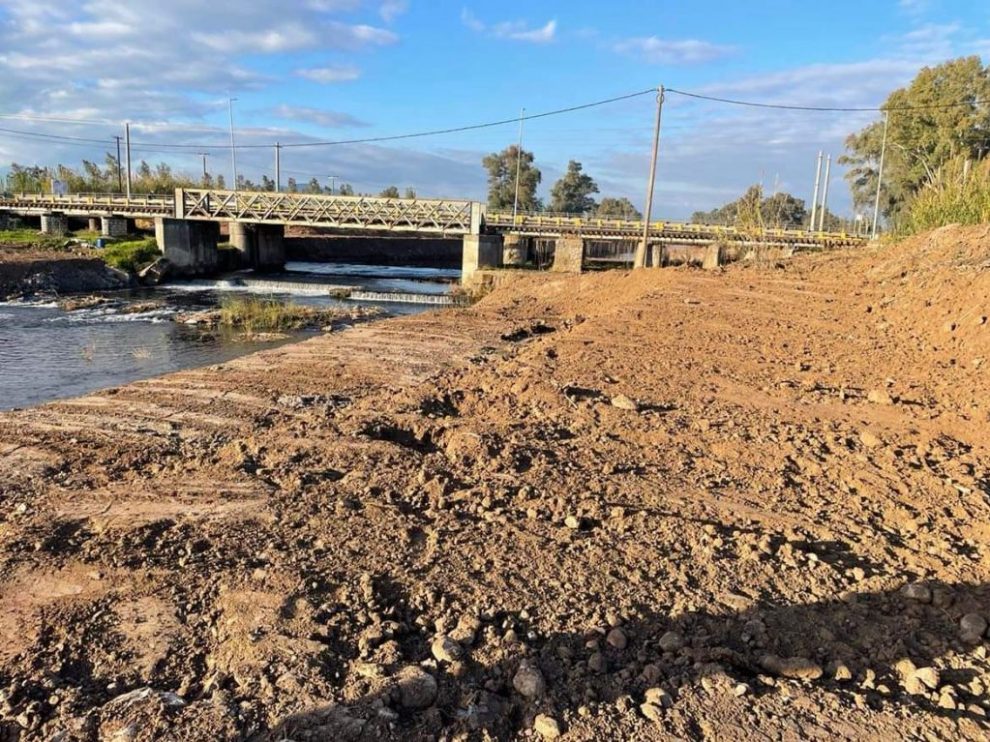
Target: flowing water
x,y
48,353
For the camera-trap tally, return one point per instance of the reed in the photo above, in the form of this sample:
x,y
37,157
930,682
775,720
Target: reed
x,y
956,193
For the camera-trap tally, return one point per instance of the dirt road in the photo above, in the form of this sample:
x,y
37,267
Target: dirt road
x,y
740,505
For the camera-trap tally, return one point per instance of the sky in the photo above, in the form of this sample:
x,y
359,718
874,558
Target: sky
x,y
305,71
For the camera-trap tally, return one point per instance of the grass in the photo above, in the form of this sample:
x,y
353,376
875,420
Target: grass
x,y
255,315
955,194
30,238
131,256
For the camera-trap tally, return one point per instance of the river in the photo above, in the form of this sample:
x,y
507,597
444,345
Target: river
x,y
47,353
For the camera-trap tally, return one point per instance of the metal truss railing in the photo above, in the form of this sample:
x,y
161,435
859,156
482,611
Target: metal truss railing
x,y
92,204
335,212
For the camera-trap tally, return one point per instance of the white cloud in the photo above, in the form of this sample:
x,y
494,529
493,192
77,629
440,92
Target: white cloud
x,y
321,117
329,74
655,50
511,30
389,10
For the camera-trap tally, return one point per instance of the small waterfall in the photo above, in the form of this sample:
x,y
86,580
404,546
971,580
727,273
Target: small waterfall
x,y
397,297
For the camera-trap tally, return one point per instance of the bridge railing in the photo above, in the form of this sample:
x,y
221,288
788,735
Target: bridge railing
x,y
336,212
96,202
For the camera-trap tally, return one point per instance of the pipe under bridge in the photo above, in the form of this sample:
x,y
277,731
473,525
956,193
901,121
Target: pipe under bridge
x,y
187,224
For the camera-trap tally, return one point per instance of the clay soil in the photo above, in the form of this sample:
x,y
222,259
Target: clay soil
x,y
750,504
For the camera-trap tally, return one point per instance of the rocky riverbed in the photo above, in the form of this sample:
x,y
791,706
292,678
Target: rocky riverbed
x,y
662,504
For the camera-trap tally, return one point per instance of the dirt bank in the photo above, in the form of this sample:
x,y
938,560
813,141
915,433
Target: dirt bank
x,y
736,505
27,272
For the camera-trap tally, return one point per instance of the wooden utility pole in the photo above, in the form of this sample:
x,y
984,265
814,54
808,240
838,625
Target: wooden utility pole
x,y
644,246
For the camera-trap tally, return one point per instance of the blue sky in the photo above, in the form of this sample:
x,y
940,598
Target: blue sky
x,y
318,70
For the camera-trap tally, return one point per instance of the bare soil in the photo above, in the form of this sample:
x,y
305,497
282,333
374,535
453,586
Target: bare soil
x,y
750,504
30,270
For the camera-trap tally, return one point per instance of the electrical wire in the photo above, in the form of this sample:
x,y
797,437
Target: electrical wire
x,y
821,109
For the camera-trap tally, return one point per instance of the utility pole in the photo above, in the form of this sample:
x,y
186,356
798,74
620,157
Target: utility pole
x,y
120,175
233,148
204,155
278,167
127,140
333,182
883,157
824,209
641,250
515,202
814,200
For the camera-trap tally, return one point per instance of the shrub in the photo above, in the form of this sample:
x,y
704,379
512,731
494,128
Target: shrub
x,y
255,314
954,194
131,256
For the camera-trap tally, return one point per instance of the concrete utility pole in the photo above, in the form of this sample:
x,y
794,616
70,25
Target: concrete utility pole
x,y
883,157
814,199
515,202
127,140
278,167
824,209
233,147
644,246
204,155
120,174
333,182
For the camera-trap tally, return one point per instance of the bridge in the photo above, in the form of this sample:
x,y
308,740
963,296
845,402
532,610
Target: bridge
x,y
187,225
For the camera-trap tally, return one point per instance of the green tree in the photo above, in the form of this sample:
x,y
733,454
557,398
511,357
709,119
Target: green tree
x,y
313,186
617,208
753,211
267,184
346,189
410,193
950,119
572,193
390,192
501,167
291,186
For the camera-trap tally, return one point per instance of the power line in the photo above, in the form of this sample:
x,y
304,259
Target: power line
x,y
824,109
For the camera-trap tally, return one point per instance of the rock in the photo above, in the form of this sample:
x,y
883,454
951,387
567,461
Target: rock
x,y
624,403
659,697
154,274
796,668
671,642
972,627
741,689
842,673
546,726
417,688
466,630
917,591
869,440
446,649
596,663
929,676
879,396
573,522
528,681
617,639
652,712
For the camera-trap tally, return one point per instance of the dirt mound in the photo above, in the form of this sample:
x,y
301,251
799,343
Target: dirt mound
x,y
630,505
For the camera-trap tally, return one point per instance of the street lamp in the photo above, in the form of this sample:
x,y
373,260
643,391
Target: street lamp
x,y
233,150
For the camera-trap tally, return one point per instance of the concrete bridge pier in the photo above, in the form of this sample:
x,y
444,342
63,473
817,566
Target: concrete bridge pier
x,y
515,250
94,224
190,246
262,246
4,220
568,257
55,223
480,251
112,226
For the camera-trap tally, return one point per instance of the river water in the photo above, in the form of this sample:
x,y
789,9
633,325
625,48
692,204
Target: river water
x,y
47,353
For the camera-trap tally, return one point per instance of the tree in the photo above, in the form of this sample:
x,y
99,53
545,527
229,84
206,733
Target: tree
x,y
221,183
267,184
617,208
313,186
390,192
753,211
346,189
410,193
501,167
572,193
291,186
950,119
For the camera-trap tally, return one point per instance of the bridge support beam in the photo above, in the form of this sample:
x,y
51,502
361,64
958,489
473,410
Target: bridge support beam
x,y
656,255
515,250
4,220
480,251
113,226
55,223
262,246
94,224
190,246
568,257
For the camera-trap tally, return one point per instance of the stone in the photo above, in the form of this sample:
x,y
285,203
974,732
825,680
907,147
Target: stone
x,y
417,688
842,673
795,668
155,273
671,642
879,396
869,439
972,627
596,663
929,676
617,639
625,403
652,712
917,591
528,681
659,697
466,630
546,726
573,522
741,689
446,649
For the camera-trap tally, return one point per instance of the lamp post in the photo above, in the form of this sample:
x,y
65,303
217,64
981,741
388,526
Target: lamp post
x,y
233,149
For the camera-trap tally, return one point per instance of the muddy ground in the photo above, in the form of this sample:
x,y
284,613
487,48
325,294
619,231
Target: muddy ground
x,y
29,271
665,504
